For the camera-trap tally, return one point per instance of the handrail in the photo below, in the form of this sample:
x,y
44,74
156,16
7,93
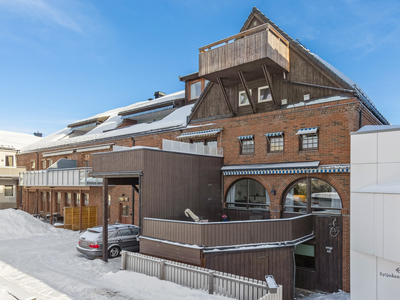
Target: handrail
x,y
243,34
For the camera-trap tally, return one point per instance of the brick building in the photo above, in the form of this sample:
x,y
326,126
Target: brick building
x,y
282,118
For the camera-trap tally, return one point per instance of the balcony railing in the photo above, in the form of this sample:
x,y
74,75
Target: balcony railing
x,y
192,148
260,44
59,177
216,234
11,171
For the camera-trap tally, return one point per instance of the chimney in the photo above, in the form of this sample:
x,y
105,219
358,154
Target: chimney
x,y
159,94
38,134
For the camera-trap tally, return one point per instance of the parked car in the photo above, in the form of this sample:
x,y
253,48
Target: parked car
x,y
120,237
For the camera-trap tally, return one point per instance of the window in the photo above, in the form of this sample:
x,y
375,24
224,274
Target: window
x,y
309,141
125,210
9,161
77,199
43,201
196,87
264,94
43,164
86,199
8,191
305,256
195,90
243,100
68,199
274,141
58,201
308,138
49,162
33,165
246,144
248,194
323,197
86,164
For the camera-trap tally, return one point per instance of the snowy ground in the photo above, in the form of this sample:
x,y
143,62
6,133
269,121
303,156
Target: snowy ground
x,y
43,261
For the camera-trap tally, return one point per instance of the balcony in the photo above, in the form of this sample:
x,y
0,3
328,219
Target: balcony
x,y
59,177
182,147
246,52
224,234
11,172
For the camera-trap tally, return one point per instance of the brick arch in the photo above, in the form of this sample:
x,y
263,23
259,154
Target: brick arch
x,y
344,197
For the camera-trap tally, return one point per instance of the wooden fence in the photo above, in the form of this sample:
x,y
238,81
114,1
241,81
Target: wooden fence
x,y
214,282
72,217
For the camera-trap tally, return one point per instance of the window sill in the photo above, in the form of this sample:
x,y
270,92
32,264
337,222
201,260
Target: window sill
x,y
308,151
276,153
246,154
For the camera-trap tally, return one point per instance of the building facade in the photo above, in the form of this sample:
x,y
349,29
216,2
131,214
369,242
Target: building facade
x,y
280,117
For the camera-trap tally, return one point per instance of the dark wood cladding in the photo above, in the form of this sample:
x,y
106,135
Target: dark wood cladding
x,y
229,233
172,252
118,161
171,181
256,264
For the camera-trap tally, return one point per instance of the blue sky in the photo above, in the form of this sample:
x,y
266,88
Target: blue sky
x,y
64,60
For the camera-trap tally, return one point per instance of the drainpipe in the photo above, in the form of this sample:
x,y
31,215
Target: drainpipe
x,y
360,118
140,203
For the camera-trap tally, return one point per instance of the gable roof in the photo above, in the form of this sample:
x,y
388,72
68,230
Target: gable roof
x,y
342,79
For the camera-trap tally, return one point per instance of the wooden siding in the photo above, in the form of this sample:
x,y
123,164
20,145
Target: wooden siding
x,y
255,47
228,233
256,264
169,251
171,182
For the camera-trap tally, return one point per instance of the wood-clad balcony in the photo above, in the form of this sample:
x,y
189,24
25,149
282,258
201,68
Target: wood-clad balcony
x,y
11,172
221,234
246,52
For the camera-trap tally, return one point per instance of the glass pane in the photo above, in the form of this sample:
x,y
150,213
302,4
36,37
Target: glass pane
x,y
296,199
265,94
8,191
248,191
243,98
247,146
324,198
276,143
195,90
258,197
9,161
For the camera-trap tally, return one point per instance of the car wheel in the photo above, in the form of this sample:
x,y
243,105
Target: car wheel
x,y
113,252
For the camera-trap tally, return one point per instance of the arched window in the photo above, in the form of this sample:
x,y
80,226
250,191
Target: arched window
x,y
312,195
247,194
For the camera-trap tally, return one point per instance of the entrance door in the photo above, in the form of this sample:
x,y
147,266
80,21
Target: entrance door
x,y
124,215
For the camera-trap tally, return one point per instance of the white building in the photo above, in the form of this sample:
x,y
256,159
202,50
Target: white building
x,y
10,143
375,213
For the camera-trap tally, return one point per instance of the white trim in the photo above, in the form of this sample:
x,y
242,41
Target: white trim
x,y
248,101
55,153
264,87
94,148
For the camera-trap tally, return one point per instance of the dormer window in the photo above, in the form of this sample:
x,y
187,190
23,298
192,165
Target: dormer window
x,y
83,127
196,87
264,94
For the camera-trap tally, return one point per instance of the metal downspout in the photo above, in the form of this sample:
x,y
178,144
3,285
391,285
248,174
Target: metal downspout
x,y
140,204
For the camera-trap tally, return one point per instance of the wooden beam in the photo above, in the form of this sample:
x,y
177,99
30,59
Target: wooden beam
x,y
228,103
80,209
253,107
269,82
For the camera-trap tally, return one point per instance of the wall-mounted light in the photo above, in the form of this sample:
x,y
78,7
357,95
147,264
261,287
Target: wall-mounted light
x,y
273,191
123,198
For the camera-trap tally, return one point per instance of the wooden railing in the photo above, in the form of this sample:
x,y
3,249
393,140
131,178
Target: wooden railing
x,y
216,234
261,42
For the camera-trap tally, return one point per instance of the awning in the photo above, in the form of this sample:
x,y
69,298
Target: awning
x,y
147,112
307,130
63,152
245,137
278,133
210,132
94,148
284,168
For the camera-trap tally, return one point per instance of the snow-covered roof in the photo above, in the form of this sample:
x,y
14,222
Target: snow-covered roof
x,y
16,140
108,129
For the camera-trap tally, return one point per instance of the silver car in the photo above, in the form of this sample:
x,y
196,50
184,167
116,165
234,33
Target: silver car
x,y
120,237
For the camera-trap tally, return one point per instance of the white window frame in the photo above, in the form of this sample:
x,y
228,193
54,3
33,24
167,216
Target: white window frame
x,y
248,101
5,161
259,93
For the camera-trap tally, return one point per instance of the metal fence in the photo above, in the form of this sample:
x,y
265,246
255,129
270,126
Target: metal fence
x,y
192,148
214,282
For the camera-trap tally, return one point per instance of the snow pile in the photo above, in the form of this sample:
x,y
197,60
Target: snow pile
x,y
17,140
335,296
16,224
